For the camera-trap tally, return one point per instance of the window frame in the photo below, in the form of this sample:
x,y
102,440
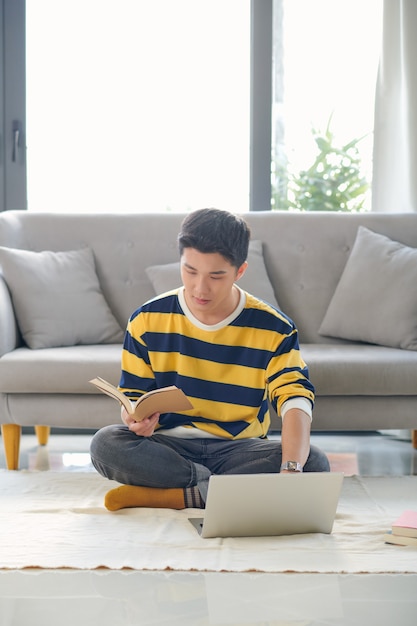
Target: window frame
x,y
12,106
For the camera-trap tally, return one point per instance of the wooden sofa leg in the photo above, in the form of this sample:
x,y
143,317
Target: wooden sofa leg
x,y
414,438
42,434
11,440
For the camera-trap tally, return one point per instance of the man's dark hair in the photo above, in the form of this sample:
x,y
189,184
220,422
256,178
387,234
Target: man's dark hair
x,y
214,230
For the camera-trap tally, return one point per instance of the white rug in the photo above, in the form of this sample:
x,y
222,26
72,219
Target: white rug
x,y
56,520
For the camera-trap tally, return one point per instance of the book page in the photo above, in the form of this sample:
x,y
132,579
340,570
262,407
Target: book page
x,y
113,392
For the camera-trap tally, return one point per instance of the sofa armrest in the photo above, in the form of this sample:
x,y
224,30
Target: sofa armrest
x,y
9,332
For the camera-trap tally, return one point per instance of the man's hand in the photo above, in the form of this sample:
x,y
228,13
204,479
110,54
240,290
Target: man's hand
x,y
145,428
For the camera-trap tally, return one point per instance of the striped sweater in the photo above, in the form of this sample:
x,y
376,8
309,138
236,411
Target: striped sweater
x,y
228,371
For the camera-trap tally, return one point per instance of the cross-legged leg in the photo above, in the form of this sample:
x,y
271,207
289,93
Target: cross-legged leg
x,y
152,472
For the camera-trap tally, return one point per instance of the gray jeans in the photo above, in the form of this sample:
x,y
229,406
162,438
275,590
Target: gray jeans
x,y
170,462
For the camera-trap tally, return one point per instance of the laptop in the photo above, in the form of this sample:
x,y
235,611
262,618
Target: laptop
x,y
254,505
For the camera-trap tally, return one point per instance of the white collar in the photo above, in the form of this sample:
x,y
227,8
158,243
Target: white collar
x,y
211,327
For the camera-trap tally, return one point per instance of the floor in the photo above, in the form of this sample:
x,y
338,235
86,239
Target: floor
x,y
131,598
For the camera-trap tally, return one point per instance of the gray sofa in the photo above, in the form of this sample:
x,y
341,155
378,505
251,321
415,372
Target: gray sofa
x,y
363,382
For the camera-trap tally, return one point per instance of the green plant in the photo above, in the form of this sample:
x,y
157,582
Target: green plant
x,y
334,182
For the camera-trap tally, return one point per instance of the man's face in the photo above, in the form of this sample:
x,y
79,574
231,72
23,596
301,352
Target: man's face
x,y
208,279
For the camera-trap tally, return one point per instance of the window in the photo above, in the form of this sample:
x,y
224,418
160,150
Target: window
x,y
326,55
137,105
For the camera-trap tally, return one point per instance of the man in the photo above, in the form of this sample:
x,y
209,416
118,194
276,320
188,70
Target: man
x,y
230,353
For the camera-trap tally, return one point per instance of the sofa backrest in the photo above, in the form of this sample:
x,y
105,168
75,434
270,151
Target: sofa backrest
x,y
304,253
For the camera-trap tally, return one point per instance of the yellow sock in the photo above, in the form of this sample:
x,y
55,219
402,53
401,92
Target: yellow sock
x,y
128,496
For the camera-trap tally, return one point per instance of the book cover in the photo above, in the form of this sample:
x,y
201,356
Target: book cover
x,y
406,524
163,400
398,540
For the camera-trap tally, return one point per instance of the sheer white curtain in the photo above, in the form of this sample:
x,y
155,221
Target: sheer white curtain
x,y
395,137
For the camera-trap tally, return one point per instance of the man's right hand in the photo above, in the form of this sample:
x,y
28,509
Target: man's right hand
x,y
145,428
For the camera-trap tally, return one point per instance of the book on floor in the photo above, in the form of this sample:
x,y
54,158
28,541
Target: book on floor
x,y
399,540
163,400
406,524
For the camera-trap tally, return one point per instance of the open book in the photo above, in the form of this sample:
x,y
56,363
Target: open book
x,y
162,400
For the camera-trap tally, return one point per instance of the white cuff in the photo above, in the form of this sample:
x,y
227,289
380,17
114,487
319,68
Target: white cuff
x,y
297,403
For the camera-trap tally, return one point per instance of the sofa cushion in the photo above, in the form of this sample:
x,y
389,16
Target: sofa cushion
x,y
255,280
57,298
375,300
335,370
66,370
360,370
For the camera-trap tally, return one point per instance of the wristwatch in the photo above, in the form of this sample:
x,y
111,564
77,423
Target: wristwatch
x,y
292,466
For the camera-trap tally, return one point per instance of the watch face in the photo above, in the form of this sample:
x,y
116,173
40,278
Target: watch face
x,y
291,466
